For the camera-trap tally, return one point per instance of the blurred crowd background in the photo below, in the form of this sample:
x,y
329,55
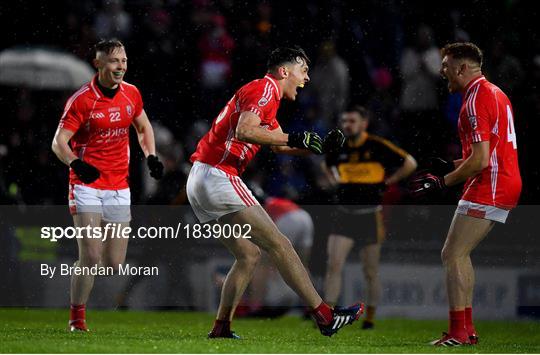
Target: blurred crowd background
x,y
188,58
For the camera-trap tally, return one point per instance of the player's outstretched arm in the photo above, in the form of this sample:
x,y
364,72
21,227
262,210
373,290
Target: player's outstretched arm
x,y
145,134
249,130
472,166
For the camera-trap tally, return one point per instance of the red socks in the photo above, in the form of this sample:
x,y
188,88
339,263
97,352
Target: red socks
x,y
77,317
77,313
469,326
456,326
221,327
322,314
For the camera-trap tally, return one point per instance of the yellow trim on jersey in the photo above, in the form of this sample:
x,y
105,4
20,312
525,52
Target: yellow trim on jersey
x,y
358,141
361,173
390,145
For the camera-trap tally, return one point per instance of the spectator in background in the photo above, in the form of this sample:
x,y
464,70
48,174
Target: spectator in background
x,y
157,24
80,35
330,82
215,51
382,103
458,33
287,179
113,20
419,102
502,68
254,36
529,108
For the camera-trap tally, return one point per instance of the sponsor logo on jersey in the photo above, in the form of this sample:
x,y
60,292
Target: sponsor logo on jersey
x,y
114,132
263,101
473,121
97,115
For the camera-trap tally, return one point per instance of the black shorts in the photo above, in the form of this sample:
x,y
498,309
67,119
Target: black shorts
x,y
363,227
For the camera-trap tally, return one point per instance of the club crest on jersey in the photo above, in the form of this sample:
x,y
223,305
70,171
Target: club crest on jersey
x,y
129,110
263,101
473,121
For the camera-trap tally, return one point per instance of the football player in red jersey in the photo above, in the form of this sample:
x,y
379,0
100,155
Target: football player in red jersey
x,y
93,140
489,168
216,191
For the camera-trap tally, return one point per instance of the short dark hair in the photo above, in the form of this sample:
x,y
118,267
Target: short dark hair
x,y
464,50
108,45
361,110
282,55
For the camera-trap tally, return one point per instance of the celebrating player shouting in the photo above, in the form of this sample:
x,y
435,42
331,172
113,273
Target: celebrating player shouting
x,y
489,167
96,122
215,190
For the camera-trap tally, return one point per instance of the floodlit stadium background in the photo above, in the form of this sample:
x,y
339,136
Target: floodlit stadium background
x,y
188,57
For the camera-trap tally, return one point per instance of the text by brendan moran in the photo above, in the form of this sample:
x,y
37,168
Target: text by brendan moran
x,y
122,270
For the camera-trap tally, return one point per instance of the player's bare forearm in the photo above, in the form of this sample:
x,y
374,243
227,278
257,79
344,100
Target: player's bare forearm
x,y
145,134
457,163
60,146
472,166
249,130
408,167
259,135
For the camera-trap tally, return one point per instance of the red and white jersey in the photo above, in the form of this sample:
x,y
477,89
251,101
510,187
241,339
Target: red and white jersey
x,y
486,115
101,127
219,147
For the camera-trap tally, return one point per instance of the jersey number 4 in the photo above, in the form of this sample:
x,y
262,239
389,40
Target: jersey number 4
x,y
510,131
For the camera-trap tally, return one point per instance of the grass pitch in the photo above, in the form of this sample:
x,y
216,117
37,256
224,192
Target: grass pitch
x,y
44,331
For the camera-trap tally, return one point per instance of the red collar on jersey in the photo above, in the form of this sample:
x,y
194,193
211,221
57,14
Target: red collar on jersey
x,y
473,82
273,80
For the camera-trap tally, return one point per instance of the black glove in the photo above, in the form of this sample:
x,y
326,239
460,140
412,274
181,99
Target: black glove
x,y
155,166
306,140
439,166
333,141
426,183
86,172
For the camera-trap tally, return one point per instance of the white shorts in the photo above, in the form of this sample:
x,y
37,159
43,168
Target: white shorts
x,y
113,205
212,193
477,210
298,227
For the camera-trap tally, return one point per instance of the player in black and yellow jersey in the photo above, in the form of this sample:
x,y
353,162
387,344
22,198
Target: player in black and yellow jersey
x,y
361,170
